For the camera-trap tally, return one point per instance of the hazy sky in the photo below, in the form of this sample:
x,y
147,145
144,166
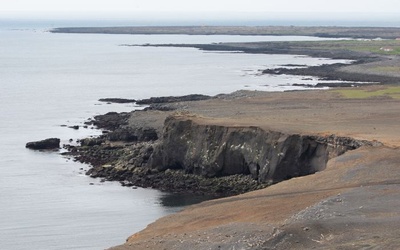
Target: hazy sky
x,y
33,6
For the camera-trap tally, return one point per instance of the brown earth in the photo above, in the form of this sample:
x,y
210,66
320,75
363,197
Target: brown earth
x,y
353,204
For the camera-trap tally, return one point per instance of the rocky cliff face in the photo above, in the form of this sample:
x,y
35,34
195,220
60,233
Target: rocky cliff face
x,y
186,156
268,156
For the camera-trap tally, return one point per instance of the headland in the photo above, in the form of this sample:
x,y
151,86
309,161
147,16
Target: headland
x,y
332,157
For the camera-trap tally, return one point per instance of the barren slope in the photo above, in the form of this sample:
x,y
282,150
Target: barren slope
x,y
352,204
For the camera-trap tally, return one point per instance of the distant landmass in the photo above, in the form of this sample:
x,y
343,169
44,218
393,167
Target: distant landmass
x,y
334,32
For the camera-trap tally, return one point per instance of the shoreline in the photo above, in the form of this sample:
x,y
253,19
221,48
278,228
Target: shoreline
x,y
137,151
342,182
341,136
318,31
375,50
370,62
292,113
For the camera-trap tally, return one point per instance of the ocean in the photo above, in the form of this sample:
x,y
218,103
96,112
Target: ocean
x,y
50,80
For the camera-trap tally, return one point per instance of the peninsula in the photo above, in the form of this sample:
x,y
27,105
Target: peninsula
x,y
332,156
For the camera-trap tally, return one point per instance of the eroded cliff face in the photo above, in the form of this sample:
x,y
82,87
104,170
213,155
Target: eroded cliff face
x,y
268,156
186,155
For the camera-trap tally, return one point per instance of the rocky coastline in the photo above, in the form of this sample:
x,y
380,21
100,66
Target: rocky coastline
x,y
264,137
123,153
232,144
218,147
140,149
366,67
186,157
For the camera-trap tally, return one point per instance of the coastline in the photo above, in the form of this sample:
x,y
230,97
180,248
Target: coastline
x,y
349,171
370,62
346,177
319,31
333,192
142,148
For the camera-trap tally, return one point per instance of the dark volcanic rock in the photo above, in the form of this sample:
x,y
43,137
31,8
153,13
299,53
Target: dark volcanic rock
x,y
117,100
207,159
170,99
122,134
110,121
178,181
127,134
269,156
332,72
91,141
50,143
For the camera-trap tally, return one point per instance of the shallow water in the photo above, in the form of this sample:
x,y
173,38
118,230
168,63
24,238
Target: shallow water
x,y
48,80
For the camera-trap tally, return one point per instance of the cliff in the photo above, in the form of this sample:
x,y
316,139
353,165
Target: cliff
x,y
191,157
351,204
245,141
268,156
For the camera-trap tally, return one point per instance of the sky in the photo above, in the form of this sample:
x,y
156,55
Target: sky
x,y
273,9
32,6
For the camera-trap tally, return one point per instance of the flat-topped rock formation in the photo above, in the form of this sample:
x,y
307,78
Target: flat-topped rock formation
x,y
340,149
352,203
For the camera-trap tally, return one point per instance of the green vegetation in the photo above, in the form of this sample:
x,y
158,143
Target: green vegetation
x,y
392,92
383,47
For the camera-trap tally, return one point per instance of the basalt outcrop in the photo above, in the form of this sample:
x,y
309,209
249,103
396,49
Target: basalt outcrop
x,y
206,159
50,143
268,156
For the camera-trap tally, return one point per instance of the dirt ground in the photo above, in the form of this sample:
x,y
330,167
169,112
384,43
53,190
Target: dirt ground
x,y
353,204
317,112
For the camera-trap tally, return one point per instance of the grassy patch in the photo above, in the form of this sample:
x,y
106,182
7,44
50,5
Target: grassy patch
x,y
385,47
393,92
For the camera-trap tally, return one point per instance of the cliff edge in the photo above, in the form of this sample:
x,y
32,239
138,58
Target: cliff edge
x,y
353,203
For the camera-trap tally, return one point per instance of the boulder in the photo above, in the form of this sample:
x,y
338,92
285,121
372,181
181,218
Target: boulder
x,y
50,143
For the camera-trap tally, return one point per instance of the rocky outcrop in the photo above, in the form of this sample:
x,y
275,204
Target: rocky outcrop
x,y
127,134
110,121
188,156
117,100
50,143
334,72
268,156
171,99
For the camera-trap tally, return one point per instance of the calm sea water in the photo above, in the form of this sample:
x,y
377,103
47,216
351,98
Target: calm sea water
x,y
48,80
